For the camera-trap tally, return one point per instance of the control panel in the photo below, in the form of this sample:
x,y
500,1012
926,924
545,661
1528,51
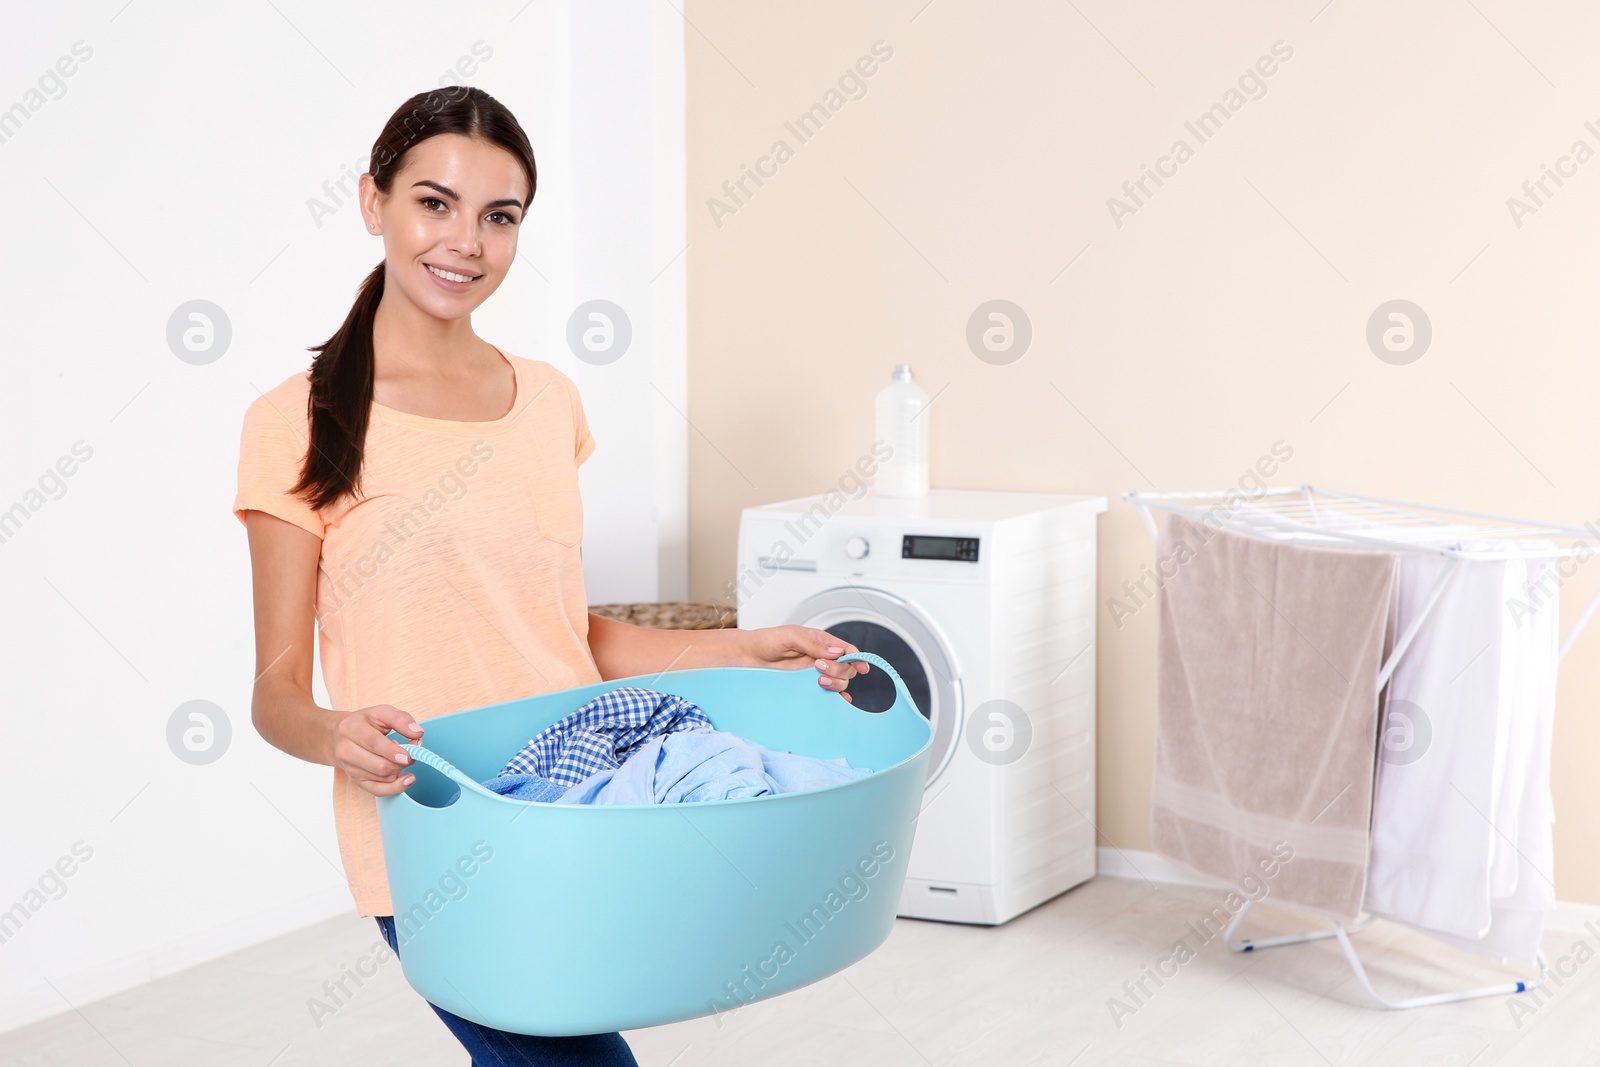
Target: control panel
x,y
925,546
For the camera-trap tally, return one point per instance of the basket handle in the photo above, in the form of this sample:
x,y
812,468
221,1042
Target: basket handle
x,y
446,768
902,694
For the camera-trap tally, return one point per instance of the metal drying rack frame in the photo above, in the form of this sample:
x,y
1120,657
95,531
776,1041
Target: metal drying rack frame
x,y
1311,516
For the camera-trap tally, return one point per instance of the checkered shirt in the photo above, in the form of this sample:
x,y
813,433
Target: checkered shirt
x,y
603,733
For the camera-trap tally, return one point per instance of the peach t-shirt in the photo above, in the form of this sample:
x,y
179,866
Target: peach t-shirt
x,y
454,581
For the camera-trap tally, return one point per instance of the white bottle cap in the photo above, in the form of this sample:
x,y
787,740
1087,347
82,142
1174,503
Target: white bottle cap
x,y
902,372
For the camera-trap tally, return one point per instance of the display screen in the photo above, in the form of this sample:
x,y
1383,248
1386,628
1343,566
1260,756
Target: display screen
x,y
922,546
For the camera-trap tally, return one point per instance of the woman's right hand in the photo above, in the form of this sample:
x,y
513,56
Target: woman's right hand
x,y
361,748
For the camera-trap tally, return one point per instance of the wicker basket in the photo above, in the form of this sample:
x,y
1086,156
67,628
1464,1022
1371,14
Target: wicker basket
x,y
671,615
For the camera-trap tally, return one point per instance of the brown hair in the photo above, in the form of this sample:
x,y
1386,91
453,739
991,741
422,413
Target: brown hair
x,y
341,373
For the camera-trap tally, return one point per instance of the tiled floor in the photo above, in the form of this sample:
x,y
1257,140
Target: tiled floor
x,y
1035,991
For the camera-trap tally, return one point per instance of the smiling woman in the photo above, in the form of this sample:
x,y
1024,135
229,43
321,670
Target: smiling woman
x,y
414,497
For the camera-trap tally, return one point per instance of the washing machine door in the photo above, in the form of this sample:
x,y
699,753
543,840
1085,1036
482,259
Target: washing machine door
x,y
880,622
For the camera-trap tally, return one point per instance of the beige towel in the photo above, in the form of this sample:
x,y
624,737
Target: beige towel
x,y
1267,660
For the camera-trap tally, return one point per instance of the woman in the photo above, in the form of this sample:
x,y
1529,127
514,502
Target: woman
x,y
416,495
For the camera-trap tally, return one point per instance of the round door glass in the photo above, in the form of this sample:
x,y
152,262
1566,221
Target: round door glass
x,y
876,621
874,691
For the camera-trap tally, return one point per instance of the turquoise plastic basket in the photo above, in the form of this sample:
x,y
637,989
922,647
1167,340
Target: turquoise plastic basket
x,y
560,920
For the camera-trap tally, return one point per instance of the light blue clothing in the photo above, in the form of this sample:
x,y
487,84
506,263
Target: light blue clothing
x,y
520,787
526,787
638,746
692,765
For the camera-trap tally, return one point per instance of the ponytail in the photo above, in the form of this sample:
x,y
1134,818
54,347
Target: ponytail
x,y
341,402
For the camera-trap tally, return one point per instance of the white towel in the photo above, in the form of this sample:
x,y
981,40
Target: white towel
x,y
1524,817
1519,710
1431,830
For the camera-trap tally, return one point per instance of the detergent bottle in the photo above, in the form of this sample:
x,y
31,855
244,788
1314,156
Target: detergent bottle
x,y
901,417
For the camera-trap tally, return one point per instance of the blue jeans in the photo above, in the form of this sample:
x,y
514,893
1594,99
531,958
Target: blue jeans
x,y
499,1048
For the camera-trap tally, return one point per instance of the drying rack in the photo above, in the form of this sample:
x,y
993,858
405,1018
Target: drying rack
x,y
1311,516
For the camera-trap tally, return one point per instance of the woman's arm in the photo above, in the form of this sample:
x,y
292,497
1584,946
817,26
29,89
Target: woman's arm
x,y
622,650
283,566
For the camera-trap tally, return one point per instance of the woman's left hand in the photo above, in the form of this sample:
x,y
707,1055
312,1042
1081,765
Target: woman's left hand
x,y
792,647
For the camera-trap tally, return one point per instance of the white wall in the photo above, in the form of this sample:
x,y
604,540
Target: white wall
x,y
627,191
176,163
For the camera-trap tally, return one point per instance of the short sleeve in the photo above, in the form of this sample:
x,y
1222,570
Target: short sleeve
x,y
272,450
584,439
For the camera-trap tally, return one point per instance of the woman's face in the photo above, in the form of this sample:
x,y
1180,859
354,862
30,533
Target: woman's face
x,y
455,206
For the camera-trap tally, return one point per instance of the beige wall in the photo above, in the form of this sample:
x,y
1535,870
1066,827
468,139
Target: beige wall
x,y
1225,314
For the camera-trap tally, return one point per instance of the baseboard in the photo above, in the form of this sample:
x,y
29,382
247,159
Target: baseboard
x,y
1144,866
41,1002
1567,916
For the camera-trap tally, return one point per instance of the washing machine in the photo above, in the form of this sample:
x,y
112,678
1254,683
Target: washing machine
x,y
984,602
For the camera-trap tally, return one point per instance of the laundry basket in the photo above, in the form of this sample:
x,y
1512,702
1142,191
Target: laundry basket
x,y
581,919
